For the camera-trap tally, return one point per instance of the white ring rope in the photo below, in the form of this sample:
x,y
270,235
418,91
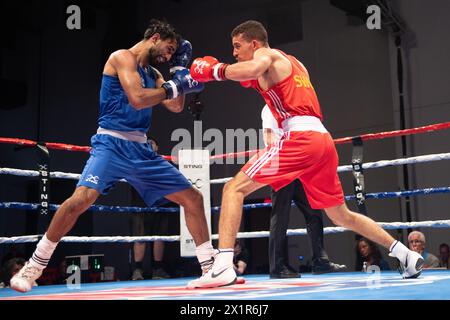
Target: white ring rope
x,y
398,162
33,173
377,164
344,168
241,235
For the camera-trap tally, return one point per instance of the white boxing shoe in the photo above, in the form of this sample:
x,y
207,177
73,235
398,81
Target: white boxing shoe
x,y
207,265
26,278
214,278
411,265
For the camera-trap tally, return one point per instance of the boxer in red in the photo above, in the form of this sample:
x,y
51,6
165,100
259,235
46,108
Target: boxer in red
x,y
306,150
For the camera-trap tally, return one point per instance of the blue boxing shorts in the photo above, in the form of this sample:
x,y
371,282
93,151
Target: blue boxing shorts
x,y
113,159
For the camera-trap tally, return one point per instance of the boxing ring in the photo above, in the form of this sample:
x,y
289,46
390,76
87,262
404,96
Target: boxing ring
x,y
431,285
385,285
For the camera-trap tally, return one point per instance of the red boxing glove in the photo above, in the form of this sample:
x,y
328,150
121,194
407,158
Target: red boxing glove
x,y
208,69
246,84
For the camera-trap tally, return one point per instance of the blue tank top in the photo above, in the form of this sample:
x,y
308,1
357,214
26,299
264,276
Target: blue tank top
x,y
116,113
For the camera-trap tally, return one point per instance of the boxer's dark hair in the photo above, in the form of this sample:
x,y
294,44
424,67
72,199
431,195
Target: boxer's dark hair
x,y
251,30
8,269
163,28
374,250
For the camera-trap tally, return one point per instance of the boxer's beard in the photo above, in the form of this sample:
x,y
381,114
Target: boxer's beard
x,y
153,57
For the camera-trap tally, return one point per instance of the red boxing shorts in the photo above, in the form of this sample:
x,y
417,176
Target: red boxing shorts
x,y
306,155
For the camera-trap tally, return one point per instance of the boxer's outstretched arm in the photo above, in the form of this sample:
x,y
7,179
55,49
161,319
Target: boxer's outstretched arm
x,y
249,70
209,68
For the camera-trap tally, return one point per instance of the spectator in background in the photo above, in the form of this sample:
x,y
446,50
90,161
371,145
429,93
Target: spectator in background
x,y
241,258
444,257
368,254
155,223
13,252
417,243
10,268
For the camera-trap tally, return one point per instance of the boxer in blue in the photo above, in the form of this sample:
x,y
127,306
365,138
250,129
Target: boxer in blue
x,y
130,88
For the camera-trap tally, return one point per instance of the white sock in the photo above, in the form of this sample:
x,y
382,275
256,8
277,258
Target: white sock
x,y
398,250
204,252
392,245
43,253
224,258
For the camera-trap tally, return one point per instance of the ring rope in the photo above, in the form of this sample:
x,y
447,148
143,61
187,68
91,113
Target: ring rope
x,y
378,195
407,193
344,168
364,137
34,173
115,209
396,133
376,164
95,208
240,235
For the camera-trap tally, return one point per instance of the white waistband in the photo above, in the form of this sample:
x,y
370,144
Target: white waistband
x,y
135,136
303,123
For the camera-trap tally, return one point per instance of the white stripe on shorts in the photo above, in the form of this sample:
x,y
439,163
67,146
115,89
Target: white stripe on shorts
x,y
265,158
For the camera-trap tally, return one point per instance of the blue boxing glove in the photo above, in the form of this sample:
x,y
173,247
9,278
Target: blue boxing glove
x,y
181,58
181,83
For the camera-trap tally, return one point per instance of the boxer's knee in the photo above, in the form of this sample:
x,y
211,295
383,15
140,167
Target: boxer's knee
x,y
229,187
191,199
232,189
196,198
80,201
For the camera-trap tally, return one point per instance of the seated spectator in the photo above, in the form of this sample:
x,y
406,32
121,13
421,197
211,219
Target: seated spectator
x,y
416,242
444,257
368,254
240,259
13,252
10,268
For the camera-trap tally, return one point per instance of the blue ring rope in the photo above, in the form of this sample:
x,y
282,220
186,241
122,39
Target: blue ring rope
x,y
101,208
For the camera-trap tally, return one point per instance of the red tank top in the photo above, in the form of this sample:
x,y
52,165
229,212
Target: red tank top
x,y
293,96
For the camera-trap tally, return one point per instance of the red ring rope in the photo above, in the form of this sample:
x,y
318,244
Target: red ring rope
x,y
364,137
